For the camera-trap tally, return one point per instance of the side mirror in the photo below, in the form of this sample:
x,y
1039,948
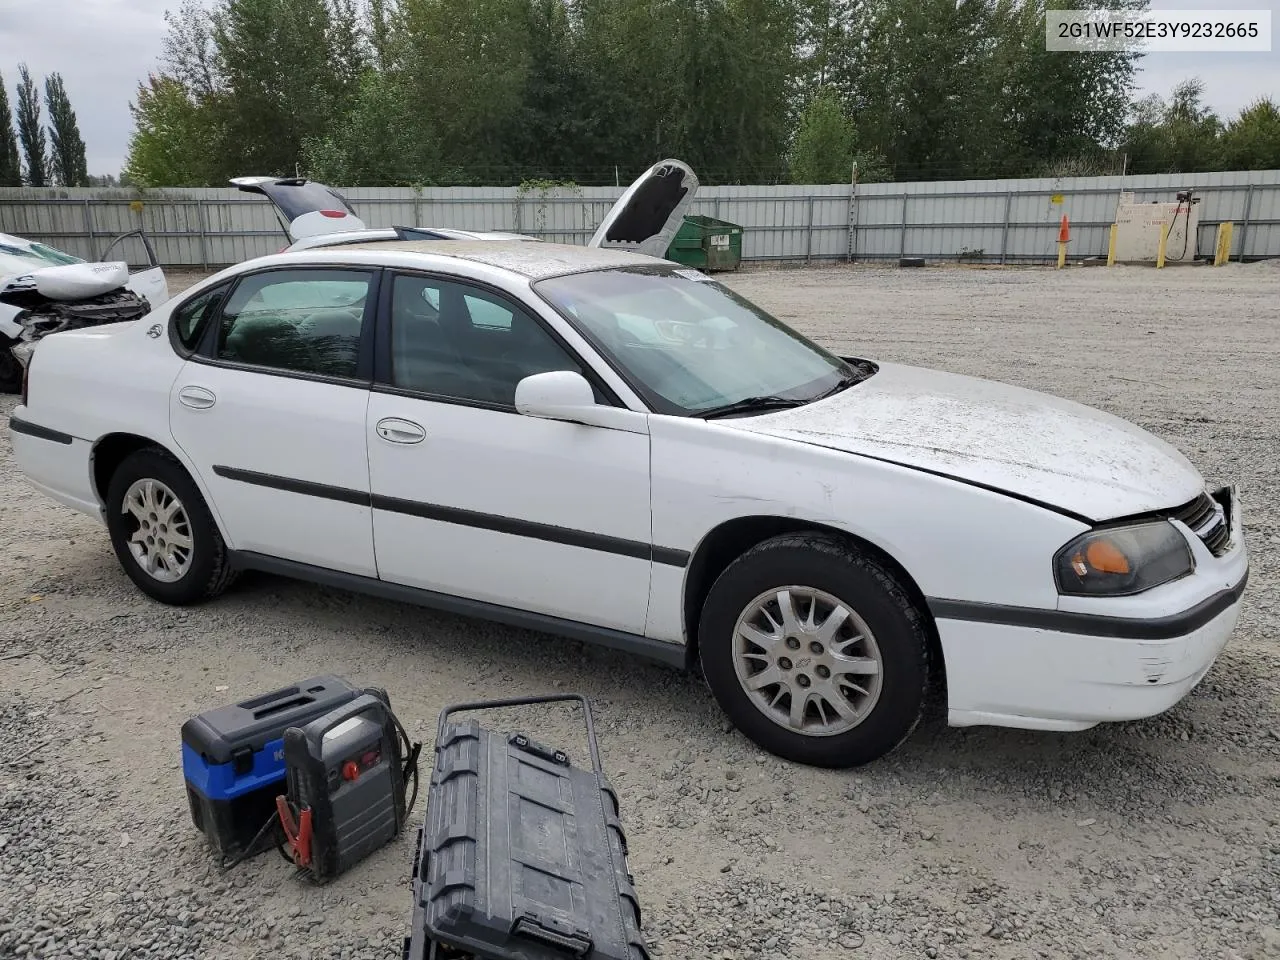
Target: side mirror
x,y
556,395
566,395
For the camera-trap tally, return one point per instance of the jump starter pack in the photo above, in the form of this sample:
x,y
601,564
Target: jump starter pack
x,y
521,855
315,768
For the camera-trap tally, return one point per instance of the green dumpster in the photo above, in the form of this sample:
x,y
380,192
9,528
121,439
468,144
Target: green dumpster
x,y
707,244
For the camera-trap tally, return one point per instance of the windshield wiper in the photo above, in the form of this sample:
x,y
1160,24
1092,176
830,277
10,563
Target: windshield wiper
x,y
751,405
844,384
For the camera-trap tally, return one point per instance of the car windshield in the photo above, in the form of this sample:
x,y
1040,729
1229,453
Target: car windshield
x,y
32,256
690,345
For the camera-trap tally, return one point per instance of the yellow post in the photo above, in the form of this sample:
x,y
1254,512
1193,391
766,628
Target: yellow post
x,y
1222,250
1164,243
1062,254
1111,246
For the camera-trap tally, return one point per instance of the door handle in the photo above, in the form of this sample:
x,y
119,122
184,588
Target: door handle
x,y
400,431
197,398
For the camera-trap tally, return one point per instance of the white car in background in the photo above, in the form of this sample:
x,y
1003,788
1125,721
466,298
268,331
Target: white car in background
x,y
604,445
43,290
315,215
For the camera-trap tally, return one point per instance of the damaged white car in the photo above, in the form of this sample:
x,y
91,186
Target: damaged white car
x,y
601,444
44,290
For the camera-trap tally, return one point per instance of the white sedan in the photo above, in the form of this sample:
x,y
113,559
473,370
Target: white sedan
x,y
601,444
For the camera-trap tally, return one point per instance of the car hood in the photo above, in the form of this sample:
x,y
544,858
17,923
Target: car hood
x,y
1028,444
75,281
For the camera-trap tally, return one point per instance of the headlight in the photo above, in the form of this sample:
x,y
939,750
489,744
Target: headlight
x,y
1123,560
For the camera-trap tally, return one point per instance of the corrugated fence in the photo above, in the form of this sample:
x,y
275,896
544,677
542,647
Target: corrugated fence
x,y
1000,221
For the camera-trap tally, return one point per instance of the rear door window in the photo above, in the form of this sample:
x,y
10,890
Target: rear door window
x,y
306,321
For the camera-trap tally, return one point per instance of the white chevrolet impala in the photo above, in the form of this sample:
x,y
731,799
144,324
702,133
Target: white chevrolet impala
x,y
598,443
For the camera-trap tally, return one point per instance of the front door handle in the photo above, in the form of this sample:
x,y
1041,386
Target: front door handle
x,y
198,398
400,431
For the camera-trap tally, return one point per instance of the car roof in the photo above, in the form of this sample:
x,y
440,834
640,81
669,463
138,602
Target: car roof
x,y
536,261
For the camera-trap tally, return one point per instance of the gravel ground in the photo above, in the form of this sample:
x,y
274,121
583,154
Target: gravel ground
x,y
1158,839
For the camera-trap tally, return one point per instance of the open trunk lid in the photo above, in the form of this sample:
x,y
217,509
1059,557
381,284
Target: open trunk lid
x,y
648,215
305,208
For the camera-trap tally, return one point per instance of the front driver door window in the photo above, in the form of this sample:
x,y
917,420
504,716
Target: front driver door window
x,y
271,411
473,499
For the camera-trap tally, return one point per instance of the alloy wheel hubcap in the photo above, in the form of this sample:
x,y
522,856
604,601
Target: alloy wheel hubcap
x,y
807,662
161,539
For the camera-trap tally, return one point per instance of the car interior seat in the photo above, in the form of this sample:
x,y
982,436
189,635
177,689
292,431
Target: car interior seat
x,y
334,335
268,340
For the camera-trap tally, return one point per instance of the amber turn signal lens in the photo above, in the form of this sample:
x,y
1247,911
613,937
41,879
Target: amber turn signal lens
x,y
1105,557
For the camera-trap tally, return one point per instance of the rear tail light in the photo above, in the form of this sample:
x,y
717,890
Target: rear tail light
x,y
335,214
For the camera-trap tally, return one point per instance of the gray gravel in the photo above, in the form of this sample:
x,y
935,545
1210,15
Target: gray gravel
x,y
1158,839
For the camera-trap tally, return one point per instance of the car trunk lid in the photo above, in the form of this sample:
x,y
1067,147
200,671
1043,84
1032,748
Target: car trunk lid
x,y
305,208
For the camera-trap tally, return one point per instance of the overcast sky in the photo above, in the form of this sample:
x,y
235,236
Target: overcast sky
x,y
103,48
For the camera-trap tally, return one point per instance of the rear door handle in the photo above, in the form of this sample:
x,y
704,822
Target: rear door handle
x,y
197,398
400,431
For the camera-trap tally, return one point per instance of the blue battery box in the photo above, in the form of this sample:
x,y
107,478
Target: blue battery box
x,y
233,760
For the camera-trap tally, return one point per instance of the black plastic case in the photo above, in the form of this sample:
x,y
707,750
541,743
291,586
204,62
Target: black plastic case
x,y
522,855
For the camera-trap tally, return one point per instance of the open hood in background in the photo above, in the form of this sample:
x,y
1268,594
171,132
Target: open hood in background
x,y
648,215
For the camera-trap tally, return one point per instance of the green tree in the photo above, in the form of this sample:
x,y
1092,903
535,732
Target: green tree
x,y
1178,135
464,65
1252,140
824,142
10,158
31,130
67,158
189,54
288,69
1058,108
379,142
176,140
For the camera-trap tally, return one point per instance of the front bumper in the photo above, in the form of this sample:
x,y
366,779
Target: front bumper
x,y
1073,668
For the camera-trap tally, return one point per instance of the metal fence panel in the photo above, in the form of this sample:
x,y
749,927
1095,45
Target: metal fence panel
x,y
988,220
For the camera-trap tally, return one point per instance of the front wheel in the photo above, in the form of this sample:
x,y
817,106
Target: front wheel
x,y
162,530
815,651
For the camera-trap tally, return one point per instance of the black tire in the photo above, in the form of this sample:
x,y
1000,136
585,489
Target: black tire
x,y
864,586
10,367
209,571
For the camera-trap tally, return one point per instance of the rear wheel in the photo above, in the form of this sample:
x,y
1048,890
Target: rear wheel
x,y
10,367
163,532
815,651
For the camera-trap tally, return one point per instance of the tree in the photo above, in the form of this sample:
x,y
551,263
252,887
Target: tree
x,y
1061,109
30,129
282,76
190,55
824,142
1179,135
10,158
176,140
68,163
1252,140
379,142
465,64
